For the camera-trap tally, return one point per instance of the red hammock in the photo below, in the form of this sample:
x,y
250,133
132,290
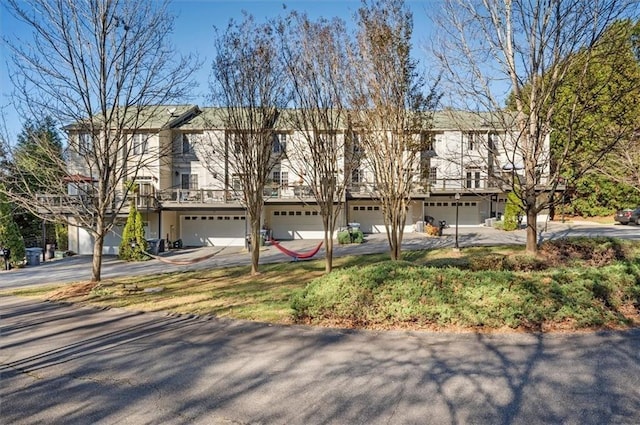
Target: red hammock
x,y
296,255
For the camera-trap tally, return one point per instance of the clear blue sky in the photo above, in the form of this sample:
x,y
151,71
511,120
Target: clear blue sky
x,y
193,33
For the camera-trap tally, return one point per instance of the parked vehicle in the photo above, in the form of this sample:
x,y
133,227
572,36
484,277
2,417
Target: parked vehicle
x,y
628,215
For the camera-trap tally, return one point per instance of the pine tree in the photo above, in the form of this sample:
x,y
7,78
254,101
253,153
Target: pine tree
x,y
133,234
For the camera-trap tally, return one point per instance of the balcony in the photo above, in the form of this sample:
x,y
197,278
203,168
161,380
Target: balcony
x,y
60,204
187,197
73,204
453,185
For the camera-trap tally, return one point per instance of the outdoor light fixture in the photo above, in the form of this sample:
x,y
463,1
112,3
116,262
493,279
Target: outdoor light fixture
x,y
457,197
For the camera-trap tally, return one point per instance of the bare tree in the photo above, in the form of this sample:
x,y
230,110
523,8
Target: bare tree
x,y
489,48
315,57
391,111
103,69
249,83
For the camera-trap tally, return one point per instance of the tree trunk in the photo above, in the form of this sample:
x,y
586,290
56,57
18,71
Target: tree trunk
x,y
328,247
96,268
255,248
532,231
394,247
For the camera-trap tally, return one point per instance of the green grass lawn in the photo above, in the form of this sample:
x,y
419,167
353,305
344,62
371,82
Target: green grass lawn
x,y
577,283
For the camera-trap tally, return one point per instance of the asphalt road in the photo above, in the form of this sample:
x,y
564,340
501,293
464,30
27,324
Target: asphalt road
x,y
65,364
78,268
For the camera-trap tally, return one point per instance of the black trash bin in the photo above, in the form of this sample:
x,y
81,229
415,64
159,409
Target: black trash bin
x,y
153,246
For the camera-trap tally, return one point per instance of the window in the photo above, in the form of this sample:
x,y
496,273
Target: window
x,y
281,178
279,142
433,176
356,144
189,182
494,139
236,183
145,189
85,143
139,142
187,144
427,141
473,179
472,141
357,176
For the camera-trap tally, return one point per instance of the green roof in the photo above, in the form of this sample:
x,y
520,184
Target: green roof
x,y
194,118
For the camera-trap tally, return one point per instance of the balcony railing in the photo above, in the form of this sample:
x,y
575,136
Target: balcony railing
x,y
190,196
68,204
439,185
187,197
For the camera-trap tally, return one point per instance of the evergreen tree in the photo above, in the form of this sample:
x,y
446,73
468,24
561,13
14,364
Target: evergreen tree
x,y
10,233
133,244
606,133
36,159
512,211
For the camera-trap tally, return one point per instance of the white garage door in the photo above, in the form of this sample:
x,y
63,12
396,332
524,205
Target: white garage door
x,y
468,213
369,217
296,223
212,230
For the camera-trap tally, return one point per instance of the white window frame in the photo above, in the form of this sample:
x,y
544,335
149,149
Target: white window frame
x,y
473,178
85,142
191,181
140,143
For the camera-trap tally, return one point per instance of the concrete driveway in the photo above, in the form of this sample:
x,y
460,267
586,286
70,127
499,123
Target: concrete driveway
x,y
78,268
64,364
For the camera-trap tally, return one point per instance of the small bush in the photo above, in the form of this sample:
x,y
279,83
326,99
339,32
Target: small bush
x,y
346,237
512,210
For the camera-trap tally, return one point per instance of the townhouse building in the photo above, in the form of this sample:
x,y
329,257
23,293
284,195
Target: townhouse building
x,y
186,195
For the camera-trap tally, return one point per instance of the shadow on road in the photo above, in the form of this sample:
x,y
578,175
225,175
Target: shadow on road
x,y
67,364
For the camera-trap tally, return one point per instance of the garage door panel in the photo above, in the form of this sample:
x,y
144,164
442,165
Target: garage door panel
x,y
369,217
293,223
468,212
213,230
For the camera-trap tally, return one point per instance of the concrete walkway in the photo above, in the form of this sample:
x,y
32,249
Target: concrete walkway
x,y
78,268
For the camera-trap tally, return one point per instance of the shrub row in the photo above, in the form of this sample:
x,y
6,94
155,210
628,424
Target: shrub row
x,y
397,294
